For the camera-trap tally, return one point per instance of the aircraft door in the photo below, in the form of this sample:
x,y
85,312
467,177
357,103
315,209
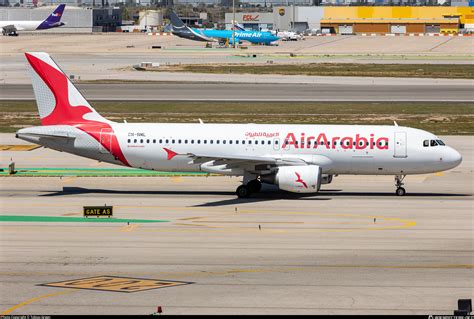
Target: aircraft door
x,y
106,140
400,148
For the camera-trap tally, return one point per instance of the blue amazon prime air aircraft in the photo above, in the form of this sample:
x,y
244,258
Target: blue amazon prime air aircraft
x,y
209,35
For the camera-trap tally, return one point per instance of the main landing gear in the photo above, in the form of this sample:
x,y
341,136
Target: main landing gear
x,y
399,183
253,186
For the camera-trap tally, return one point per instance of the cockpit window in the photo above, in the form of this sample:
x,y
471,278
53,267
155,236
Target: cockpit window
x,y
433,143
426,143
440,142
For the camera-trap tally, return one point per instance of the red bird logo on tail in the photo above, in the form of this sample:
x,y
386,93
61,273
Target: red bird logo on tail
x,y
299,180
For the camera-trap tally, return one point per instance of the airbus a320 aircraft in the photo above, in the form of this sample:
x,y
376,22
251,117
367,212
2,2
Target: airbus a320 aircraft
x,y
208,35
52,21
297,158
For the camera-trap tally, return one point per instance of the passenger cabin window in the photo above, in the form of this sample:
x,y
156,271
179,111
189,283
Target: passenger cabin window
x,y
426,143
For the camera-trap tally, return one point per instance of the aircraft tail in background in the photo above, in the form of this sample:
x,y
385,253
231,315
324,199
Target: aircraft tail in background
x,y
54,19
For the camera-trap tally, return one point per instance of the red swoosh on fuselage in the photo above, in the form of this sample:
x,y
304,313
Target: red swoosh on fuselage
x,y
170,153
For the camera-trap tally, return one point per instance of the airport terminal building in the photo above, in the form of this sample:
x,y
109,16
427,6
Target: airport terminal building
x,y
360,19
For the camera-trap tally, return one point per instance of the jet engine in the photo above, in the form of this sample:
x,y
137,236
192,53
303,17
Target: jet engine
x,y
296,179
326,179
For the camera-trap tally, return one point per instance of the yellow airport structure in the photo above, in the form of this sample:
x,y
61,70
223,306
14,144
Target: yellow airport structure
x,y
397,20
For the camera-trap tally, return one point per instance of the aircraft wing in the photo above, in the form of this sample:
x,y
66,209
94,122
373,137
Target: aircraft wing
x,y
244,161
256,164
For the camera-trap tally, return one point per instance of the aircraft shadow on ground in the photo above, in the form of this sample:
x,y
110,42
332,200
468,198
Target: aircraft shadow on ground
x,y
260,197
326,194
80,191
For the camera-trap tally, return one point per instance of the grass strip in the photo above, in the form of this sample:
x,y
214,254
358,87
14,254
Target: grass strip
x,y
451,71
95,172
456,118
60,219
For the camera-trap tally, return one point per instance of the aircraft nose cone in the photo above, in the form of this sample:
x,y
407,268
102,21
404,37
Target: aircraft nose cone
x,y
453,158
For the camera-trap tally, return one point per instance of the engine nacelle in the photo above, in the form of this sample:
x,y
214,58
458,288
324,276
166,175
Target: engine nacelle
x,y
326,179
297,179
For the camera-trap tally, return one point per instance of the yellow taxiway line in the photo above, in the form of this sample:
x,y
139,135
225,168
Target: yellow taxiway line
x,y
24,303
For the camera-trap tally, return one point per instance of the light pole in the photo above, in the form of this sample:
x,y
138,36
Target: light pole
x,y
233,24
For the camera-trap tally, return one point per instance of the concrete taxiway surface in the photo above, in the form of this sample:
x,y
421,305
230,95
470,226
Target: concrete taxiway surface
x,y
357,91
175,48
354,248
110,56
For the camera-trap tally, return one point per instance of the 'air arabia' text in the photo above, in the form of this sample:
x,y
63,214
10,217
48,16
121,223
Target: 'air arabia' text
x,y
347,142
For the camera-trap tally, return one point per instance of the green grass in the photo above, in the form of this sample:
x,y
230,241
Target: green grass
x,y
60,219
94,172
438,117
455,71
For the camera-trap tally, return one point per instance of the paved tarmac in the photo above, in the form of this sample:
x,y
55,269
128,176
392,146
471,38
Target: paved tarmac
x,y
354,248
111,55
460,91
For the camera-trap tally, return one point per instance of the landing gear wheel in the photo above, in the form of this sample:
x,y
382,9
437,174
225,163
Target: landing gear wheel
x,y
243,191
399,183
400,191
255,186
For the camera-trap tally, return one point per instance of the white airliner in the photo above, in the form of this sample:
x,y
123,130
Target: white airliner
x,y
52,21
297,158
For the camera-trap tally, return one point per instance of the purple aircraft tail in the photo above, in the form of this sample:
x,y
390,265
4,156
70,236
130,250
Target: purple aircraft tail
x,y
54,19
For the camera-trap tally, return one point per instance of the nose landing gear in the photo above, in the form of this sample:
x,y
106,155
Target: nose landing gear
x,y
399,183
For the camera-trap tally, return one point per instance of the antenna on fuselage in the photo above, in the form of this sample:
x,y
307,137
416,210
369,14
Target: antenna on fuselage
x,y
200,121
395,123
